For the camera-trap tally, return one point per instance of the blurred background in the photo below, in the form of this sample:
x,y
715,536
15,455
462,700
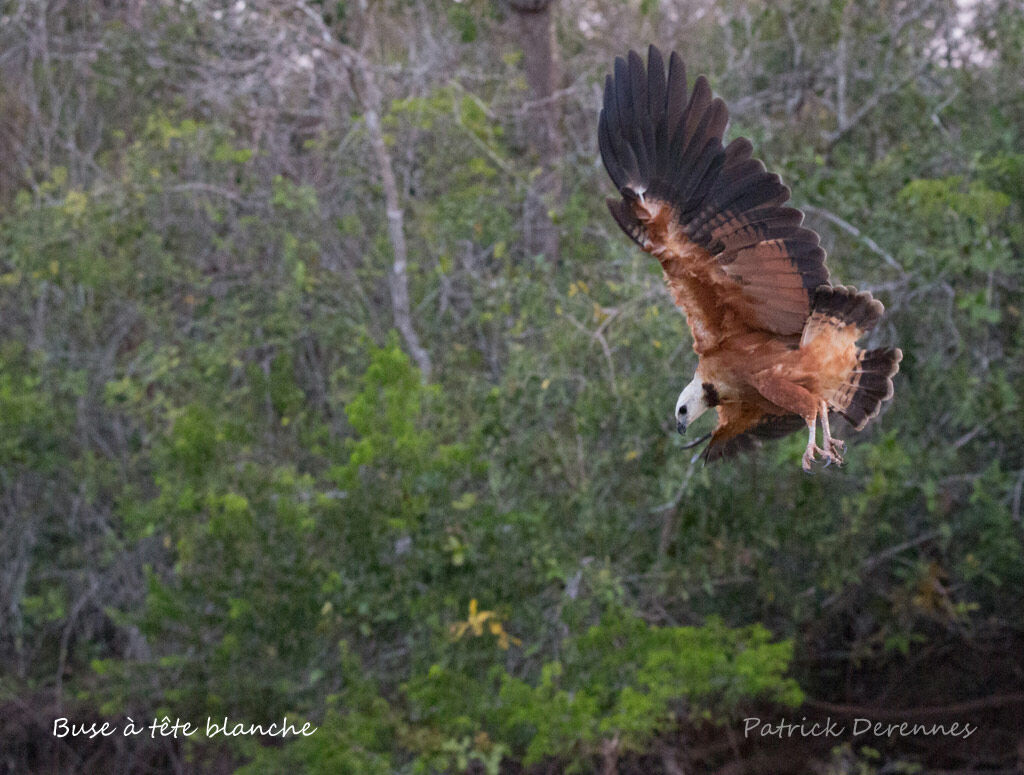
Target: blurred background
x,y
329,389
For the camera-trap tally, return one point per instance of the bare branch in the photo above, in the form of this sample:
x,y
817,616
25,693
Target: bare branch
x,y
872,102
598,336
373,104
849,228
399,278
881,77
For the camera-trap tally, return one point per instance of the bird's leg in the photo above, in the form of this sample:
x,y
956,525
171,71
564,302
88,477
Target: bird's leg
x,y
812,446
798,400
833,447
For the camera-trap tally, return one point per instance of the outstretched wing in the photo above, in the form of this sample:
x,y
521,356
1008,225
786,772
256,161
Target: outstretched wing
x,y
734,257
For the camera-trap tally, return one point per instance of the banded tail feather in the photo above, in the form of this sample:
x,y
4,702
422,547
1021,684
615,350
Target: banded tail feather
x,y
847,314
868,386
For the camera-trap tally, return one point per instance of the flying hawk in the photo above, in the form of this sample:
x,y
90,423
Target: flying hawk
x,y
776,343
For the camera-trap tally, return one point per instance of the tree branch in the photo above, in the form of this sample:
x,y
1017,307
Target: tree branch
x,y
906,714
373,102
849,228
398,280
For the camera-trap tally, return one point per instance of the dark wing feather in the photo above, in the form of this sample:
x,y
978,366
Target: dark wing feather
x,y
769,428
657,141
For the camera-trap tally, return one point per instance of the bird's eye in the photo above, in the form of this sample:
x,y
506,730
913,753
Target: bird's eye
x,y
682,411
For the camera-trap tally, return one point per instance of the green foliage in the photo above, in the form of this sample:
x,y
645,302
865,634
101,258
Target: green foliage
x,y
942,199
355,736
30,424
461,18
626,680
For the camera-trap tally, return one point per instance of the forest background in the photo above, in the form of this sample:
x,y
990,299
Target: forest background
x,y
329,389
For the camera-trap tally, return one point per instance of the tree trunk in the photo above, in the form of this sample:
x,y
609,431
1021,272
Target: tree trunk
x,y
398,279
536,31
610,756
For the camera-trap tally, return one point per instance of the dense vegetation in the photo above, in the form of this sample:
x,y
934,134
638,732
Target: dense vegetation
x,y
329,390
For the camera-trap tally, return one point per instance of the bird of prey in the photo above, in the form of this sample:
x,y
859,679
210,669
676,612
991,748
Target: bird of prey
x,y
776,342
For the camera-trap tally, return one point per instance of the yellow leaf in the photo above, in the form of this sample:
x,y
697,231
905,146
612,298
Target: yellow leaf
x,y
477,621
633,454
545,384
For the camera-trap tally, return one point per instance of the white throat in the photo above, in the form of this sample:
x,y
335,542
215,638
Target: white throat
x,y
692,400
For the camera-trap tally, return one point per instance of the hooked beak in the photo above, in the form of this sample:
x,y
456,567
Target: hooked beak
x,y
681,426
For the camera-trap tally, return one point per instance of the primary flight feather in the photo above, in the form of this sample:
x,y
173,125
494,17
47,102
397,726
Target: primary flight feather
x,y
776,343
